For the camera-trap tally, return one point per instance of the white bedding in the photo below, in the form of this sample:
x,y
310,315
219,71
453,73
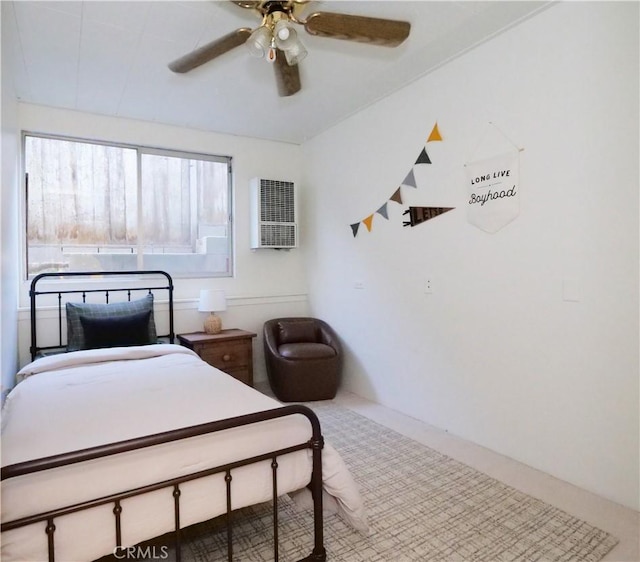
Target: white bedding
x,y
86,398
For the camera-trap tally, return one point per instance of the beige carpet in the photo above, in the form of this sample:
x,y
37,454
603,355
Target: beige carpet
x,y
422,506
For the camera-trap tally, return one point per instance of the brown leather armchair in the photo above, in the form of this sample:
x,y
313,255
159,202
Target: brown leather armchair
x,y
304,359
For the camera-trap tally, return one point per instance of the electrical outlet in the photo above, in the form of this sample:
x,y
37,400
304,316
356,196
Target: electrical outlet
x,y
428,285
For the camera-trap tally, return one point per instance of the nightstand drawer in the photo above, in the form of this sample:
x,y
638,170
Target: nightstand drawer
x,y
230,351
230,356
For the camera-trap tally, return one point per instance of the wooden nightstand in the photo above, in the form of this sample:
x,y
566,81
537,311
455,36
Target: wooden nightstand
x,y
230,351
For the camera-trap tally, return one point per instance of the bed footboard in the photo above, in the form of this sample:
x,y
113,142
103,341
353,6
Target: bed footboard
x,y
315,444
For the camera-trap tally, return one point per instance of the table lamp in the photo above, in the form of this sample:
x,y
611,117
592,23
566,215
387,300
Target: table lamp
x,y
212,301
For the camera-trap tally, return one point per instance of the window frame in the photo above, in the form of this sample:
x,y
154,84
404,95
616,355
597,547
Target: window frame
x,y
140,151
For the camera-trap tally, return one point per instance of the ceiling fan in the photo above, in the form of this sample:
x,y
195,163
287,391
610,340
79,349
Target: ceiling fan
x,y
277,40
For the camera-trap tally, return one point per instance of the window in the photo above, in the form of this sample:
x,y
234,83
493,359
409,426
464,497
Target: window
x,y
98,207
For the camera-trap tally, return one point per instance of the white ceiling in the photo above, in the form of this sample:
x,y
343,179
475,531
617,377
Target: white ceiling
x,y
110,58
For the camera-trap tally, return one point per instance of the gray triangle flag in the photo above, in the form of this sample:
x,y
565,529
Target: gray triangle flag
x,y
410,179
354,228
383,211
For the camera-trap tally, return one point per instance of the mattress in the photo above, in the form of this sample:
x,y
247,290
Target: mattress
x,y
82,399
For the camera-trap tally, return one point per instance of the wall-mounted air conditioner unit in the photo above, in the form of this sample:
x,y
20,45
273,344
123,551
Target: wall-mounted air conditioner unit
x,y
273,214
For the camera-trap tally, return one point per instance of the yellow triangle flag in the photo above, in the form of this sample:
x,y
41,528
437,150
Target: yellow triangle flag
x,y
367,222
435,134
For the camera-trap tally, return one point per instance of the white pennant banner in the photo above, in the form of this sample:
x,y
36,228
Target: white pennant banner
x,y
494,191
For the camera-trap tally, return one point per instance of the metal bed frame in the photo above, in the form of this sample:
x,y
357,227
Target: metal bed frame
x,y
315,444
150,288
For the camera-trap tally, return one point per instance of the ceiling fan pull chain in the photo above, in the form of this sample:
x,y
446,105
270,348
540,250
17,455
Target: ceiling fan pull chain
x,y
271,53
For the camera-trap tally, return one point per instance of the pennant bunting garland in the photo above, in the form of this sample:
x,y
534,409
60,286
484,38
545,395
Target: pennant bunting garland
x,y
435,134
383,211
410,179
423,158
367,222
417,215
397,196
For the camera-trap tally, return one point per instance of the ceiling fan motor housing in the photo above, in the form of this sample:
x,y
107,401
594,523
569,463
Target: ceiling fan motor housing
x,y
272,6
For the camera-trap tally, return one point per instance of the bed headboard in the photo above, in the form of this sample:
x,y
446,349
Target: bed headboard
x,y
149,282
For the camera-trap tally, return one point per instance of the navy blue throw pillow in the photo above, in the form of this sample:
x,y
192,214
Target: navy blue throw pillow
x,y
75,333
116,331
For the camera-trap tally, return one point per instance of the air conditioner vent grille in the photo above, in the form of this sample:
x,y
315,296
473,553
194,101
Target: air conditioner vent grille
x,y
277,235
276,201
273,214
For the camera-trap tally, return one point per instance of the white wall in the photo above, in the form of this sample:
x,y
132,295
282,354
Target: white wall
x,y
495,354
267,283
8,225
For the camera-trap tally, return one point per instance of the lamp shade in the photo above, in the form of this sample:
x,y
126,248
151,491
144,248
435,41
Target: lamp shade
x,y
295,52
284,34
212,301
259,41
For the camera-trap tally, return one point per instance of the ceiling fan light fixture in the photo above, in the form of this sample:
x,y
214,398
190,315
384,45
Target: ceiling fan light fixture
x,y
284,33
286,38
259,41
295,53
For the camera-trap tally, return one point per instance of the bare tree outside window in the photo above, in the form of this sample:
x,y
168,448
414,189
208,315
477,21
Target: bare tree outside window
x,y
87,209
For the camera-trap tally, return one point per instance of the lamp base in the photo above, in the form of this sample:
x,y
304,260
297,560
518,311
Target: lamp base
x,y
212,324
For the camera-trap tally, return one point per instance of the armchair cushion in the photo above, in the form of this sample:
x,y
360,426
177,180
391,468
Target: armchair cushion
x,y
306,351
295,331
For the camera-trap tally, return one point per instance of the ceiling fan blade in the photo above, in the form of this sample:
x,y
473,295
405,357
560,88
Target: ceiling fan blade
x,y
389,33
210,50
287,77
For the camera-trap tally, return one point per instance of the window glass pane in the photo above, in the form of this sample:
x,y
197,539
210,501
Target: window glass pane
x,y
84,205
81,201
185,214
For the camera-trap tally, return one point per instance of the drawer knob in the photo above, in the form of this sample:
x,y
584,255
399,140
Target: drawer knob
x,y
226,357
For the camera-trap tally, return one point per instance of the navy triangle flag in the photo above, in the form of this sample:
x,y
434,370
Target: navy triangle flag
x,y
383,211
410,179
354,228
423,158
